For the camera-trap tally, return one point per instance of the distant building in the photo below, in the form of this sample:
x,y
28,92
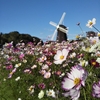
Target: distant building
x,y
91,34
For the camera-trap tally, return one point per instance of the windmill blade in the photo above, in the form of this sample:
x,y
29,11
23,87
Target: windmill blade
x,y
62,18
62,29
52,23
52,38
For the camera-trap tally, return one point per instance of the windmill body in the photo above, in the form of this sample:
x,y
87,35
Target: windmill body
x,y
61,30
61,36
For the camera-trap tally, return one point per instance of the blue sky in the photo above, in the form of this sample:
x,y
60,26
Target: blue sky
x,y
33,16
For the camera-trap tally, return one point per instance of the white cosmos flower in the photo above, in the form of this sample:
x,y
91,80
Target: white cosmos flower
x,y
91,23
18,78
83,63
50,93
98,60
73,55
31,89
41,94
45,66
60,56
95,47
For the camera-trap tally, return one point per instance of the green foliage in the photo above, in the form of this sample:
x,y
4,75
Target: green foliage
x,y
16,37
30,65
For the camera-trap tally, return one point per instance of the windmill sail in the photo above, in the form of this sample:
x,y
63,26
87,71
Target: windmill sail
x,y
57,26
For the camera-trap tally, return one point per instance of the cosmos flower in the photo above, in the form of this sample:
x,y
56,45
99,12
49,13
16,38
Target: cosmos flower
x,y
96,90
8,45
34,66
42,59
60,56
98,34
91,23
12,72
77,36
18,78
9,67
94,63
93,40
83,63
76,78
27,71
19,99
95,47
21,56
17,65
50,93
45,67
41,86
73,93
47,75
73,55
98,53
98,60
41,94
31,89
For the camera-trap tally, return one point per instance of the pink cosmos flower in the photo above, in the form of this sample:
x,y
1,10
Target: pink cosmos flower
x,y
75,78
58,72
96,90
41,86
27,71
9,67
21,56
12,72
42,72
47,75
73,93
43,58
45,67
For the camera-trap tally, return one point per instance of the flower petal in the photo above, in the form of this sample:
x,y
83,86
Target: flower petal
x,y
67,84
76,73
58,62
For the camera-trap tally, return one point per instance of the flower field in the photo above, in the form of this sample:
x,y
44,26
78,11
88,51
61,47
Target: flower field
x,y
69,70
60,71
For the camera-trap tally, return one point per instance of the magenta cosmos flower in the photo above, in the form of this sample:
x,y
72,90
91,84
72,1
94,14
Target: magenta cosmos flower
x,y
96,90
75,78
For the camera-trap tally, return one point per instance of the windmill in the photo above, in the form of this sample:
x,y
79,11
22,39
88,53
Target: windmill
x,y
61,29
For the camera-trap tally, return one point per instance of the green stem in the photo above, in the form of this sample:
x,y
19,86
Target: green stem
x,y
84,94
81,29
96,28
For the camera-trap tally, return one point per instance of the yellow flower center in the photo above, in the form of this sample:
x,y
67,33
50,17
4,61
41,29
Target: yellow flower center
x,y
87,49
99,34
77,81
94,41
31,88
98,54
83,63
77,37
93,63
61,57
91,23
